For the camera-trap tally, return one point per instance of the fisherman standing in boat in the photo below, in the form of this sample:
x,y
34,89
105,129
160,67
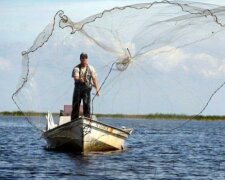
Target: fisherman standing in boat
x,y
85,77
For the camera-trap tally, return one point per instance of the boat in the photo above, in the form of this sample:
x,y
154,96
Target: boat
x,y
84,134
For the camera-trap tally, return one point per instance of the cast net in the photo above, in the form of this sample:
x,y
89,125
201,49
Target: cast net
x,y
164,57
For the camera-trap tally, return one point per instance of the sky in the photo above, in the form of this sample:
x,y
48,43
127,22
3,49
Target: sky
x,y
21,22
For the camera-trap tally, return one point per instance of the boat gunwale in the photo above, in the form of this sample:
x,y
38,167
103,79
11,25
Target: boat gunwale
x,y
82,118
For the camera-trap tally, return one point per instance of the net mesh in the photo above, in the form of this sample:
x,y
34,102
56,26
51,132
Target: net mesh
x,y
163,57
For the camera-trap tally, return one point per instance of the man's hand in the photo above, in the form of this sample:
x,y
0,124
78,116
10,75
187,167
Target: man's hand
x,y
98,93
82,80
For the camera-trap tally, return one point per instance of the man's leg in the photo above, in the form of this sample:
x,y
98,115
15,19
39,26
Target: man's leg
x,y
76,103
86,102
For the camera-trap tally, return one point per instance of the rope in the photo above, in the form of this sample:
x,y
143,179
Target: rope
x,y
25,79
203,109
102,84
64,19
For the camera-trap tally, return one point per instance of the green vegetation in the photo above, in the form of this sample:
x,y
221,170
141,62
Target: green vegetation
x,y
14,113
19,113
162,116
130,116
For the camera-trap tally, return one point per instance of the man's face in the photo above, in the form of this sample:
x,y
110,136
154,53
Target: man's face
x,y
84,61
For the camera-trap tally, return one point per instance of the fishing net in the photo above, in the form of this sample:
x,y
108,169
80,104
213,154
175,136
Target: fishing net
x,y
163,57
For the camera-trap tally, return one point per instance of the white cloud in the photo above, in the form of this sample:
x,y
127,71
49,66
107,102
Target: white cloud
x,y
207,65
166,58
4,65
169,59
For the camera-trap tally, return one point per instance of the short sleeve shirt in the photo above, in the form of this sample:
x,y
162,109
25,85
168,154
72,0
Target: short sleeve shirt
x,y
76,71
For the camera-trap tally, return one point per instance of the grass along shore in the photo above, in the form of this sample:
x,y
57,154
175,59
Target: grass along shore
x,y
127,116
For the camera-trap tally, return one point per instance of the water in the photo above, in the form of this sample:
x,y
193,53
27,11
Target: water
x,y
194,151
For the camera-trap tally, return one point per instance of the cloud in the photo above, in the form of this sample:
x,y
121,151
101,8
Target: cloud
x,y
167,58
207,65
5,65
170,59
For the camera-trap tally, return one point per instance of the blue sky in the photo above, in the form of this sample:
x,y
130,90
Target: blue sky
x,y
22,21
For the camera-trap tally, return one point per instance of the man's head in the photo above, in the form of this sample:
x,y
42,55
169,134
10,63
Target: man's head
x,y
84,59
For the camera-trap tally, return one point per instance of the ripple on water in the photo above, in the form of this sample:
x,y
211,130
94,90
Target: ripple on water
x,y
195,151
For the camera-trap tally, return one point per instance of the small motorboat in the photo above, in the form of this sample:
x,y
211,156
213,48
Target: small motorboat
x,y
83,134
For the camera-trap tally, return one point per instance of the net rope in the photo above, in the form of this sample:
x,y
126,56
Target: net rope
x,y
176,31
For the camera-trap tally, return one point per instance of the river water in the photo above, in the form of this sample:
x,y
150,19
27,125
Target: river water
x,y
155,150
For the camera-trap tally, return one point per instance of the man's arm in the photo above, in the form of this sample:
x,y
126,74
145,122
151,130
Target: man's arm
x,y
78,79
95,81
76,75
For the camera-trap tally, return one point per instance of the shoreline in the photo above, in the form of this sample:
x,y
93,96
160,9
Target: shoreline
x,y
128,116
163,117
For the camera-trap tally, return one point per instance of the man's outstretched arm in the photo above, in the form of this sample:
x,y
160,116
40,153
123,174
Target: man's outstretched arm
x,y
95,81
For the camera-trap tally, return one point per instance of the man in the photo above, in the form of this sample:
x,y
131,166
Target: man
x,y
85,77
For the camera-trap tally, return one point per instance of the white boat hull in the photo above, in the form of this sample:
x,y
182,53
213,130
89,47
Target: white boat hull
x,y
85,134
